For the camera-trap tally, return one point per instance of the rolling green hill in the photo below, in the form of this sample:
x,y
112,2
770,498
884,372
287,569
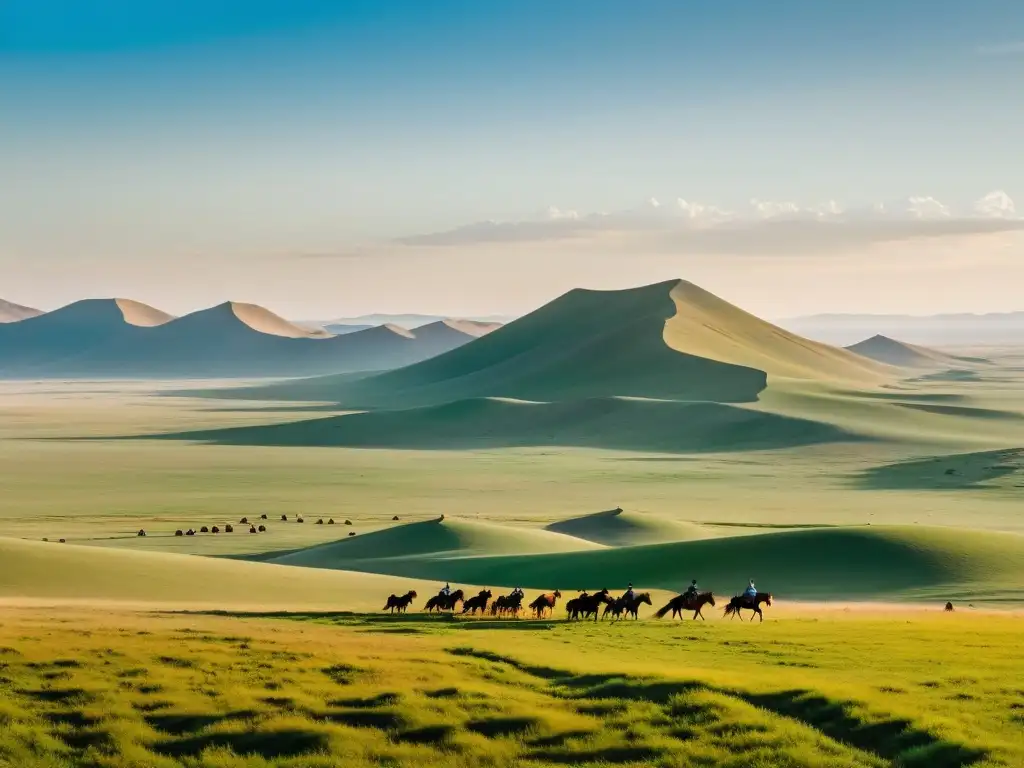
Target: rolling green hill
x,y
618,528
35,569
609,423
448,537
855,563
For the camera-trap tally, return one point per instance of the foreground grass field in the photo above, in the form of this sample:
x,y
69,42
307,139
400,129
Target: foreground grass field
x,y
92,688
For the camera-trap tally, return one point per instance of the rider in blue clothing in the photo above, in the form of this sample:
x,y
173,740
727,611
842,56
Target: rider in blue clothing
x,y
751,590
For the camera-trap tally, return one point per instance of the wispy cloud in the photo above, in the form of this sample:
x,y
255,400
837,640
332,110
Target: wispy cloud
x,y
764,227
1014,48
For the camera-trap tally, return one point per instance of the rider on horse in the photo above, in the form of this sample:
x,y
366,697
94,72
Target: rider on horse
x,y
446,590
751,590
517,592
629,592
691,591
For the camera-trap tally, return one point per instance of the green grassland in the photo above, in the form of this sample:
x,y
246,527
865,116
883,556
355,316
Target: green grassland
x,y
120,690
649,436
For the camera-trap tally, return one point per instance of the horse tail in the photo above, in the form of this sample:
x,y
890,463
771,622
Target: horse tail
x,y
662,611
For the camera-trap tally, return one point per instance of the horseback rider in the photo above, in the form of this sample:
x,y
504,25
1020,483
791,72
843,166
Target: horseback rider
x,y
691,591
446,590
629,592
518,592
751,590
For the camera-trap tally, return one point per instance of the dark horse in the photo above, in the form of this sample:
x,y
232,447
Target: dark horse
x,y
681,603
399,604
586,605
627,605
545,603
478,603
750,603
444,602
507,604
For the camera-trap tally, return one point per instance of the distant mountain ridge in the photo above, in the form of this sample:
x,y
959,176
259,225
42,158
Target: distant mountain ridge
x,y
12,313
121,338
410,321
959,329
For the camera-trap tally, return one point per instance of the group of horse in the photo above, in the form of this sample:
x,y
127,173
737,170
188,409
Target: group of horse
x,y
582,607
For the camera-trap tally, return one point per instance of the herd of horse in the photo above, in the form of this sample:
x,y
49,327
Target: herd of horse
x,y
584,606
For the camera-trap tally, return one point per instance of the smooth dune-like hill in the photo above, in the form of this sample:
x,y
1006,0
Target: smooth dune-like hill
x,y
53,571
670,340
448,537
120,338
892,352
629,424
13,313
855,563
618,528
71,330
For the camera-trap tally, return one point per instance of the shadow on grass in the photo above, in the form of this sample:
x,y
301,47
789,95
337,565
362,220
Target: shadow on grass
x,y
895,740
269,745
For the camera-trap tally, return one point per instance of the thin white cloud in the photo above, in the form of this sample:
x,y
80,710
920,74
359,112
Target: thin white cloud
x,y
767,227
1013,48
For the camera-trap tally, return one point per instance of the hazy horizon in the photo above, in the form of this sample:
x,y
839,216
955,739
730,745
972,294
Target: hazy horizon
x,y
329,159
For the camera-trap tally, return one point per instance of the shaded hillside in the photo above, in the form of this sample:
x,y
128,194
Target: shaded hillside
x,y
618,528
630,424
71,330
892,352
13,313
824,563
440,537
124,339
669,340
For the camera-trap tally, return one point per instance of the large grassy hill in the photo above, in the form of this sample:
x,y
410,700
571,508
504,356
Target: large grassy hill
x,y
854,563
669,340
34,570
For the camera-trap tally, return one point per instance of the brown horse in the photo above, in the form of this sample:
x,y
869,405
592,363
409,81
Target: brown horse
x,y
585,605
478,603
444,602
626,605
396,603
545,603
681,603
507,604
750,603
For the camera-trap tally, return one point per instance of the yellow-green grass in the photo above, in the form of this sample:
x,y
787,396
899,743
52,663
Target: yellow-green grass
x,y
90,688
101,492
617,527
863,563
31,570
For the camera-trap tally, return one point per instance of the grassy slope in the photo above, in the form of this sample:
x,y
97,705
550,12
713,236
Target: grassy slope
x,y
450,537
619,528
832,563
84,687
64,571
706,326
585,344
613,423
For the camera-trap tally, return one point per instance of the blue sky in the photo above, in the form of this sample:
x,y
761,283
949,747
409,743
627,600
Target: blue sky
x,y
141,141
